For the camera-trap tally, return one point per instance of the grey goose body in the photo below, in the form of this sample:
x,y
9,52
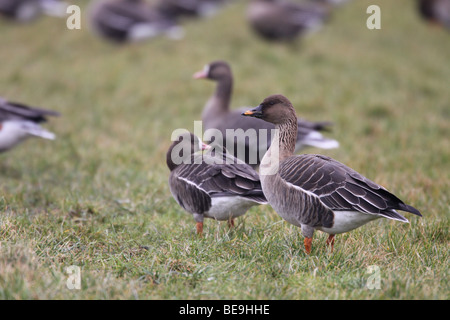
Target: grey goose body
x,y
284,20
124,21
18,122
207,186
217,115
28,10
316,192
435,11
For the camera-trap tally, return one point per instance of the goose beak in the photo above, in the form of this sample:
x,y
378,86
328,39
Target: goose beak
x,y
255,112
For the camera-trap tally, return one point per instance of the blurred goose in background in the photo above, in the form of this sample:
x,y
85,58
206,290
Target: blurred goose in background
x,y
284,20
315,192
18,122
189,8
205,185
130,21
217,115
435,11
29,10
56,8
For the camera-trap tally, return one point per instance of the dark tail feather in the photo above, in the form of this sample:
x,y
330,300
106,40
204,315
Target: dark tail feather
x,y
407,208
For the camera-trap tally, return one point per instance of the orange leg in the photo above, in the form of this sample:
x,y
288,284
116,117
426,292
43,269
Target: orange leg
x,y
330,241
308,244
231,223
200,228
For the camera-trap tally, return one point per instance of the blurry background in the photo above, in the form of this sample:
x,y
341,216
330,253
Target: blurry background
x,y
98,197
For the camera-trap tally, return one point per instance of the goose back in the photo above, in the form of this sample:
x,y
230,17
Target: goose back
x,y
284,20
219,180
17,111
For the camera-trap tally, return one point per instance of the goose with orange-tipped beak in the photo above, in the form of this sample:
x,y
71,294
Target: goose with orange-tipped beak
x,y
316,192
19,122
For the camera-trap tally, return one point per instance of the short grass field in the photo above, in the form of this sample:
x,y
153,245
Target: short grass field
x,y
98,197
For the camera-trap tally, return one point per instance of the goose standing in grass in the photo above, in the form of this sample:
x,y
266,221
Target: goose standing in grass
x,y
435,11
217,115
123,21
315,192
56,8
207,186
28,10
18,122
284,20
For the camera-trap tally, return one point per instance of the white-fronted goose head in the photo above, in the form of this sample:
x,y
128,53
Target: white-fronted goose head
x,y
122,21
29,10
208,187
315,192
217,115
435,11
18,122
284,20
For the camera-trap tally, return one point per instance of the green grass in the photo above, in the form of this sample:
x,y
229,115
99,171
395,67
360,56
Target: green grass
x,y
98,197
